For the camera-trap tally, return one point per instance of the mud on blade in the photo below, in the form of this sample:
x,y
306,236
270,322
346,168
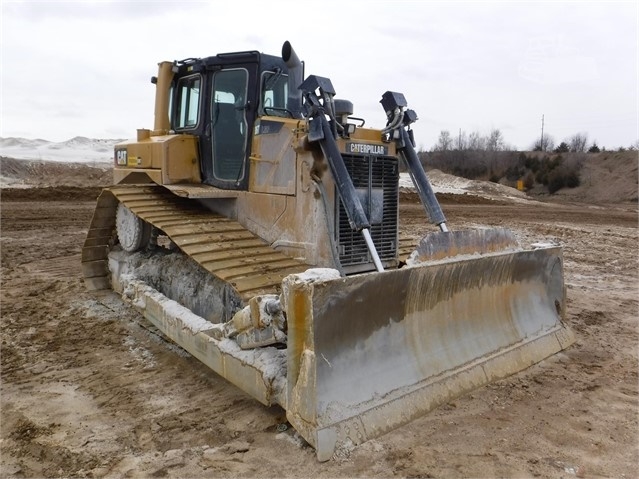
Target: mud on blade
x,y
369,353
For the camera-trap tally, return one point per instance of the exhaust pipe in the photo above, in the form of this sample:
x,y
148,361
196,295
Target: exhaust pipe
x,y
162,124
295,79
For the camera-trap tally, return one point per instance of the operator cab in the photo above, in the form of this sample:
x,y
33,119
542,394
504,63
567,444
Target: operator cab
x,y
218,99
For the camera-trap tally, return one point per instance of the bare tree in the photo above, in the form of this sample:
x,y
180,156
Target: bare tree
x,y
547,143
495,140
476,142
445,142
461,142
579,142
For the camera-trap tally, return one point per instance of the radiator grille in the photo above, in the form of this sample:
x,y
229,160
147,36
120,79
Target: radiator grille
x,y
372,176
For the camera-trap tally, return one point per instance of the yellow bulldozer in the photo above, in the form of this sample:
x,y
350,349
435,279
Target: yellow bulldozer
x,y
257,226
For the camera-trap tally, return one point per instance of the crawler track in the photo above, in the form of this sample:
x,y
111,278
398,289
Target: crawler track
x,y
221,246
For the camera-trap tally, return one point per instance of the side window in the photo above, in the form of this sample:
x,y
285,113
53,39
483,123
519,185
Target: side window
x,y
188,102
274,94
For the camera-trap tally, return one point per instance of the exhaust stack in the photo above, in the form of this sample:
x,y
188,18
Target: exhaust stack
x,y
295,79
162,124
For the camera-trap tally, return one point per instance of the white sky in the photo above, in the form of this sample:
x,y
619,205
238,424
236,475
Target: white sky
x,y
83,68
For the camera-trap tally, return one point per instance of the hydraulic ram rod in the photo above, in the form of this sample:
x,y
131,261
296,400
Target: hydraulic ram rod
x,y
346,190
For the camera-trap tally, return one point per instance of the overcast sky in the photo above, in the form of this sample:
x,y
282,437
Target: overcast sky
x,y
83,68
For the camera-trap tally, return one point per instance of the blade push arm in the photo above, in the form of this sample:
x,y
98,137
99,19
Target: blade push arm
x,y
399,117
318,106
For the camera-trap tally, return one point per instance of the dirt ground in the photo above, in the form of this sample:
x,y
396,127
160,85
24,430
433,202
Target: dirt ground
x,y
88,391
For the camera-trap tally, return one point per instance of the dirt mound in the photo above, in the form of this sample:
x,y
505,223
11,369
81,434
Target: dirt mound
x,y
51,193
16,173
447,183
606,177
612,177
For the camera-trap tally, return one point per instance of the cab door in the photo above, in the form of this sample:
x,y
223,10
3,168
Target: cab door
x,y
225,147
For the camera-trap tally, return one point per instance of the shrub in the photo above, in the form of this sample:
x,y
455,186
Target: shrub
x,y
514,172
572,179
529,180
542,177
563,177
532,163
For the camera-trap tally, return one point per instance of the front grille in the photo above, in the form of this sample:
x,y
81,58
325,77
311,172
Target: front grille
x,y
374,178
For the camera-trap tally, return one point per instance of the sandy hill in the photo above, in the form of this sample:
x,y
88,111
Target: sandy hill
x,y
77,150
606,177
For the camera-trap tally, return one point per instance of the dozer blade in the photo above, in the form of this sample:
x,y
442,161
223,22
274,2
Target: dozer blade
x,y
369,353
451,244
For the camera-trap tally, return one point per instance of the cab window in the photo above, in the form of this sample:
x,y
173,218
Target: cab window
x,y
274,94
188,102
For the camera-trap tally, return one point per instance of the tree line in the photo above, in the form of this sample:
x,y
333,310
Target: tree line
x,y
490,157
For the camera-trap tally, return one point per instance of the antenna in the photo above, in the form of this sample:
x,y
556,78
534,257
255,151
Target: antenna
x,y
543,148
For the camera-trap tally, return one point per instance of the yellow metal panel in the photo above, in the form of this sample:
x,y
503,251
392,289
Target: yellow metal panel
x,y
131,176
144,154
180,163
273,158
164,159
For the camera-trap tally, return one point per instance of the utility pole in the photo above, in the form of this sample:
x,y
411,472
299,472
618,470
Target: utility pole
x,y
459,145
543,148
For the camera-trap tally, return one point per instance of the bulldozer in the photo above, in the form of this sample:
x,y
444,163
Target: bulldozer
x,y
257,226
